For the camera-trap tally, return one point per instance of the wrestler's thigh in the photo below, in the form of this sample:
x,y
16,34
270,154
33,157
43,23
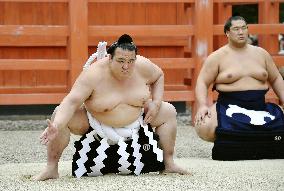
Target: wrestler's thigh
x,y
166,113
206,129
79,123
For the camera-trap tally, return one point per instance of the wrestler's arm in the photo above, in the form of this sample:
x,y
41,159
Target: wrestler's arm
x,y
155,78
206,77
80,91
274,77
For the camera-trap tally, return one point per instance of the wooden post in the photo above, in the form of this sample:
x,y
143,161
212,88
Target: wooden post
x,y
203,38
224,11
78,39
268,13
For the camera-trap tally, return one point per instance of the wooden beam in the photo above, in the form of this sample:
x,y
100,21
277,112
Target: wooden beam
x,y
36,1
176,87
142,30
34,64
185,95
141,1
254,29
34,30
144,40
174,63
30,41
55,98
27,99
33,89
238,1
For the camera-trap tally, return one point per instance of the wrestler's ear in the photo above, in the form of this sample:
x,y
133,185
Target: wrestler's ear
x,y
227,34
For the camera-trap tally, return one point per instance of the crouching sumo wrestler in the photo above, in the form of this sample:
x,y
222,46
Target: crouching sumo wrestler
x,y
114,103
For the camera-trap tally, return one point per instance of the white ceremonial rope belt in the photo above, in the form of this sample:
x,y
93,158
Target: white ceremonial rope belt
x,y
114,135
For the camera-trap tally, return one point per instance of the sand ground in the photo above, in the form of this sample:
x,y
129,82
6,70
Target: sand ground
x,y
21,156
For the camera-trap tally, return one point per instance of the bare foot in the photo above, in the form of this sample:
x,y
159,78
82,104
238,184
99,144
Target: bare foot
x,y
47,173
173,168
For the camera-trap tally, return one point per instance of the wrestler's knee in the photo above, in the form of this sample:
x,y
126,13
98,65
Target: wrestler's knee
x,y
205,131
168,109
79,123
166,115
169,114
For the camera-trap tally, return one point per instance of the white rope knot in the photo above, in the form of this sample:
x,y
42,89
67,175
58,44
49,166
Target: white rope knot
x,y
101,53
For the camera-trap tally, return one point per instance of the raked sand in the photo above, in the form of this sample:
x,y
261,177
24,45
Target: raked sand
x,y
21,156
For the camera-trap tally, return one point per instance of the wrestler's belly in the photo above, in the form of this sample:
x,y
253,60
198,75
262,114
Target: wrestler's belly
x,y
120,116
242,85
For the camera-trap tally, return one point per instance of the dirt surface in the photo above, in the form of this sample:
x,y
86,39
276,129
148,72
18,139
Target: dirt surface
x,y
21,156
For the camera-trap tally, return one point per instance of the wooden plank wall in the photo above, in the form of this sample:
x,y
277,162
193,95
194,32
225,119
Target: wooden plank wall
x,y
44,44
34,62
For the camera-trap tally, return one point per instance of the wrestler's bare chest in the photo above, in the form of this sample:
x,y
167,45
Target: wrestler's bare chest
x,y
110,93
234,67
118,104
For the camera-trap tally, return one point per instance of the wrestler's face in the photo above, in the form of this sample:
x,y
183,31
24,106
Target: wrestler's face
x,y
238,33
122,63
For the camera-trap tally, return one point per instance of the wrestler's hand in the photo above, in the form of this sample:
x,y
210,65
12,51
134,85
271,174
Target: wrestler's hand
x,y
201,113
49,133
151,110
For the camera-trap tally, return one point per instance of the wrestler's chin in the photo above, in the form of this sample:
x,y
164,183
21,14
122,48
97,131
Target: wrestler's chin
x,y
125,75
242,41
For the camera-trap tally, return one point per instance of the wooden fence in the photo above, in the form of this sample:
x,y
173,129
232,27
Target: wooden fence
x,y
45,43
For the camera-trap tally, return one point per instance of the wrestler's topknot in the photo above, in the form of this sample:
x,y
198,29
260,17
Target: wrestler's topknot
x,y
125,42
125,39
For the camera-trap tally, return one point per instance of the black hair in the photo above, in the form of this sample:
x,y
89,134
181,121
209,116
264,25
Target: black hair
x,y
124,42
228,23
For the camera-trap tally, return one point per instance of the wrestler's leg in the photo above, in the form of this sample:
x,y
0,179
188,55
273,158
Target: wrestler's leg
x,y
78,125
206,129
166,127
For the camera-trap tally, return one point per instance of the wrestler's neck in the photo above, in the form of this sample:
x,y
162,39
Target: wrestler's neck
x,y
238,46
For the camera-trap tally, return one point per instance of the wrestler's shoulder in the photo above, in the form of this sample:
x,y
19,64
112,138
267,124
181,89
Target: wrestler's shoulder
x,y
216,55
96,69
144,63
146,67
259,49
142,60
224,50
